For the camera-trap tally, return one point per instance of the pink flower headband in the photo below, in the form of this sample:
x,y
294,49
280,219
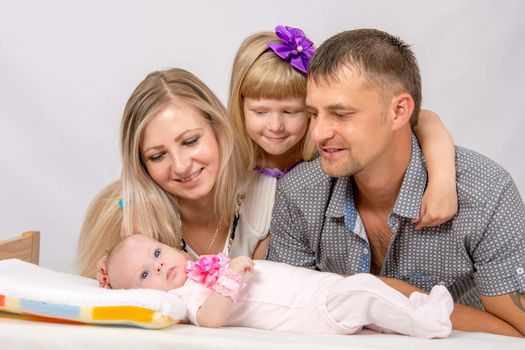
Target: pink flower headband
x,y
296,48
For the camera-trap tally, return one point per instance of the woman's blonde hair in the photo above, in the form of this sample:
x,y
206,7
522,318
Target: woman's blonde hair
x,y
100,230
146,204
259,73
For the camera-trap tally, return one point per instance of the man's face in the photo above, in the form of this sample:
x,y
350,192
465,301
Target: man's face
x,y
349,124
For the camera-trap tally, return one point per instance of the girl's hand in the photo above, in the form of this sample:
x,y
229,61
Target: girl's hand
x,y
437,206
241,265
440,201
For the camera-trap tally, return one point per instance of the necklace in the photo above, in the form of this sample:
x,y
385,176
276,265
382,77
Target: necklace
x,y
229,238
211,242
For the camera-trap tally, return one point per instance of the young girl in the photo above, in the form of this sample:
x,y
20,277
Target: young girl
x,y
266,103
277,296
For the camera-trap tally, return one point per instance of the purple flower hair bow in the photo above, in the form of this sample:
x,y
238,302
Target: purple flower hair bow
x,y
296,48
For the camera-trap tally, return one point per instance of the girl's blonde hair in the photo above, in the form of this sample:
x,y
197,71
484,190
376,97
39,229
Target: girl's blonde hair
x,y
146,204
100,230
259,73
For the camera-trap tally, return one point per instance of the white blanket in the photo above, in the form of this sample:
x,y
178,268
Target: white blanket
x,y
14,336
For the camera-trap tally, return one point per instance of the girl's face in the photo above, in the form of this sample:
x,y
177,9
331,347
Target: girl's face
x,y
276,125
181,153
143,262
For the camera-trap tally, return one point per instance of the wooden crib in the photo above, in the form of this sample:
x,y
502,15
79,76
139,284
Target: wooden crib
x,y
24,247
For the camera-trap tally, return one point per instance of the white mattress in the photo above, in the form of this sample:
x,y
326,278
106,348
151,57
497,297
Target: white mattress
x,y
17,333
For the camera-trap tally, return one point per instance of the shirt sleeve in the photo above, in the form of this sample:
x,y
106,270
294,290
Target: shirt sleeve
x,y
288,234
499,258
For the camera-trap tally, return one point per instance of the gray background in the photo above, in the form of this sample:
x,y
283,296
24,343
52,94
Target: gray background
x,y
67,69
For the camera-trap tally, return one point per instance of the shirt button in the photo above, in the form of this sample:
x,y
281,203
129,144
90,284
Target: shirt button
x,y
365,250
519,271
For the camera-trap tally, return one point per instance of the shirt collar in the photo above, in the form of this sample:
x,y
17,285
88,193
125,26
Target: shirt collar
x,y
342,205
336,207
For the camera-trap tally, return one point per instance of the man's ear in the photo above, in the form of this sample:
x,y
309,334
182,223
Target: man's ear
x,y
402,107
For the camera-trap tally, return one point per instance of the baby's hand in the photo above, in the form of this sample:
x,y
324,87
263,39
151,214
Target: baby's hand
x,y
241,265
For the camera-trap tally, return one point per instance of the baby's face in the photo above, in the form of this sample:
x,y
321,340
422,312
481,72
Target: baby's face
x,y
142,262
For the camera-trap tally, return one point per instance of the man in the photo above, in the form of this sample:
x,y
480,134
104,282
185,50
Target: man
x,y
350,210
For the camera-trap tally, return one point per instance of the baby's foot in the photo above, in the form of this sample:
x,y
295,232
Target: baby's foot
x,y
435,308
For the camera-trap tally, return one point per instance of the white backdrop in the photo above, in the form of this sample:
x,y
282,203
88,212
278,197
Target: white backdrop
x,y
67,68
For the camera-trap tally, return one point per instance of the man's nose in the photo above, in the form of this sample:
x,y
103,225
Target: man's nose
x,y
321,129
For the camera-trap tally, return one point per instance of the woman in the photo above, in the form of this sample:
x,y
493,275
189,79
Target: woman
x,y
181,170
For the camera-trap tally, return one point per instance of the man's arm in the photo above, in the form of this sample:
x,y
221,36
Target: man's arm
x,y
509,307
464,318
499,258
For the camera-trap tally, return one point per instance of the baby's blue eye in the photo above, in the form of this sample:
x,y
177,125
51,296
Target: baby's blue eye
x,y
157,253
144,275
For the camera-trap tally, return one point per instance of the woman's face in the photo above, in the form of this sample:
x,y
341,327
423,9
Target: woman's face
x,y
181,153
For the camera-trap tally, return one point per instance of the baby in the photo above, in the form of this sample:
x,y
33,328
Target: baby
x,y
219,292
